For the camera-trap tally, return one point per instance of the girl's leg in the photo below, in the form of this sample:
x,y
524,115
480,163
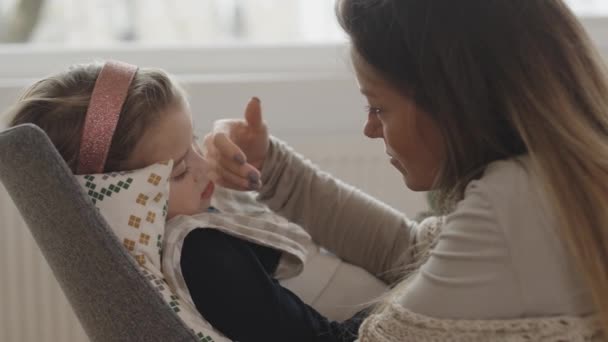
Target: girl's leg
x,y
231,285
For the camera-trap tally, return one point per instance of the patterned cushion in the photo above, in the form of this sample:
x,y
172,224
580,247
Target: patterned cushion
x,y
134,203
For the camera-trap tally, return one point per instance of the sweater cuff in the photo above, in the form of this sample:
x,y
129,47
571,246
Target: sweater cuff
x,y
273,168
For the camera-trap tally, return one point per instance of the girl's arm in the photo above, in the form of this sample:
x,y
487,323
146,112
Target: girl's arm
x,y
355,226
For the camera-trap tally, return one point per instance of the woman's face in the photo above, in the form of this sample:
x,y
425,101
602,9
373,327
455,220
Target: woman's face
x,y
411,138
172,137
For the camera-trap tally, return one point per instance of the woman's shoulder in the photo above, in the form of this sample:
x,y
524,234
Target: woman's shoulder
x,y
505,188
506,176
511,196
508,189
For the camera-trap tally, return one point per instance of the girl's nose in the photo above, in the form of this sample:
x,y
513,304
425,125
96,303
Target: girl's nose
x,y
373,127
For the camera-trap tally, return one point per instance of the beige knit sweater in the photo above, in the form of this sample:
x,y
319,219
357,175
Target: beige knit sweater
x,y
497,270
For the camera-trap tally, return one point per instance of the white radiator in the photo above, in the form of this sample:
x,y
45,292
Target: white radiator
x,y
33,307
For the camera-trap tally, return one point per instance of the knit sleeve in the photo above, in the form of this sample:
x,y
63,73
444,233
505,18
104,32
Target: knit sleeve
x,y
353,225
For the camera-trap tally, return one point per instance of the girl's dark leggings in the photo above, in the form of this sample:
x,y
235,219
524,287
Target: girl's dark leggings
x,y
230,281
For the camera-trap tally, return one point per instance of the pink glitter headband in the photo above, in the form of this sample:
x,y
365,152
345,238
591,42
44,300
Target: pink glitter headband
x,y
107,99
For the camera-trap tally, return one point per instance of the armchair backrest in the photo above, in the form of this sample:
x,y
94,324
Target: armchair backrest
x,y
110,297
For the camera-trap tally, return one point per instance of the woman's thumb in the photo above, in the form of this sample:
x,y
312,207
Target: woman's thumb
x,y
253,113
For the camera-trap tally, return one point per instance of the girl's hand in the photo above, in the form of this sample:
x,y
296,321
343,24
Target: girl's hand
x,y
236,149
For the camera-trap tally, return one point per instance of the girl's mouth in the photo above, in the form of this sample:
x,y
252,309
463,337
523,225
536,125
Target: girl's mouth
x,y
208,192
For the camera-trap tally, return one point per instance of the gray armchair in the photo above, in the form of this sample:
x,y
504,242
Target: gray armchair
x,y
112,300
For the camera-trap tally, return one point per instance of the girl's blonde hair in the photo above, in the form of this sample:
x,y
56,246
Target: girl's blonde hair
x,y
504,78
58,105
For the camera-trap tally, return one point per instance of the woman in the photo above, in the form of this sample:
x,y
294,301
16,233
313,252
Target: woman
x,y
500,107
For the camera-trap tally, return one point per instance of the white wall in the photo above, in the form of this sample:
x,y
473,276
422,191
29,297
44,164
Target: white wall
x,y
309,96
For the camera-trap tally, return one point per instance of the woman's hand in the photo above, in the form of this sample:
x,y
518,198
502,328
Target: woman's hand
x,y
236,149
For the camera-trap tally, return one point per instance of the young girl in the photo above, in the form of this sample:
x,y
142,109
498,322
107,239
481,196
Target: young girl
x,y
116,117
501,107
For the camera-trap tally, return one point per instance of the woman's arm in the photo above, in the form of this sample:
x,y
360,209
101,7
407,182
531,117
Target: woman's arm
x,y
355,226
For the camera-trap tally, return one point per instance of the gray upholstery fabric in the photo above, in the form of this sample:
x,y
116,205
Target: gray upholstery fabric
x,y
112,300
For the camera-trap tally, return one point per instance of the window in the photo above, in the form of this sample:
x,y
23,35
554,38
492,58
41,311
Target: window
x,y
190,22
591,8
168,22
172,34
594,16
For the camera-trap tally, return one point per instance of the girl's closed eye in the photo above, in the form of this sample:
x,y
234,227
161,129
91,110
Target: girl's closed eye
x,y
181,175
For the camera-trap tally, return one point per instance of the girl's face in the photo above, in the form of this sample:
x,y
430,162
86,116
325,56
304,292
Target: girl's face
x,y
172,138
412,139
